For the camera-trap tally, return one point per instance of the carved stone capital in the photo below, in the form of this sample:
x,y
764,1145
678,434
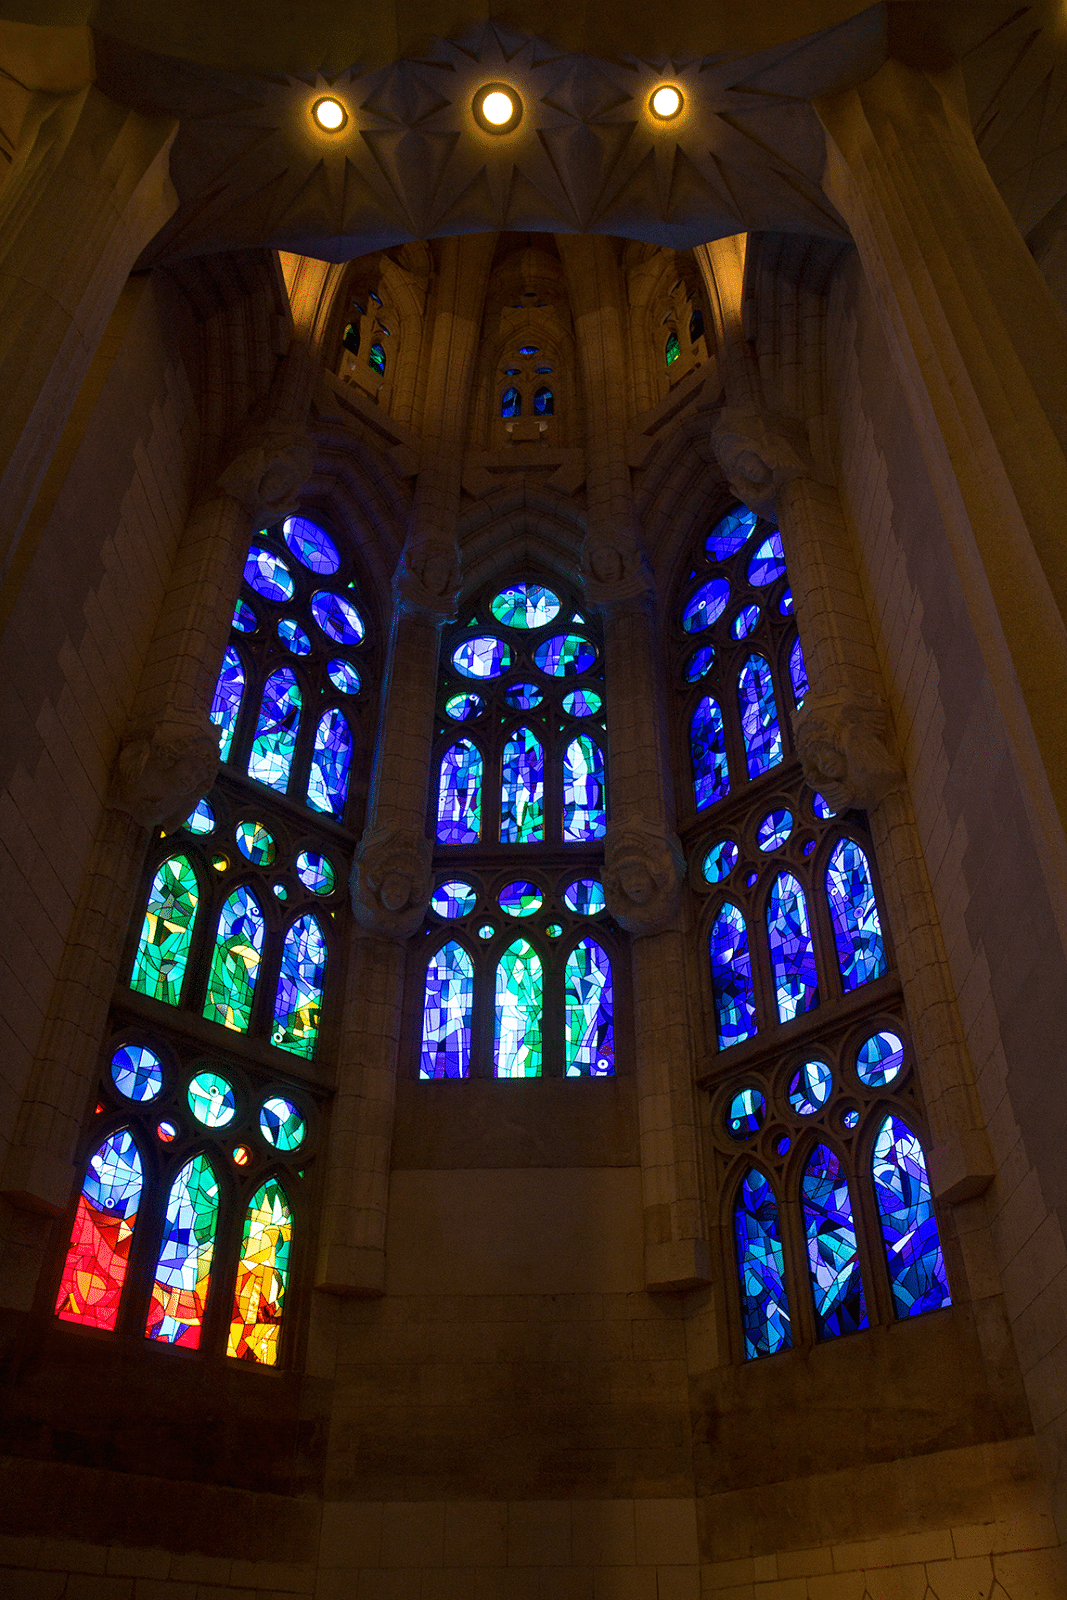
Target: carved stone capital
x,y
268,473
391,881
162,772
427,576
758,452
842,740
613,570
643,871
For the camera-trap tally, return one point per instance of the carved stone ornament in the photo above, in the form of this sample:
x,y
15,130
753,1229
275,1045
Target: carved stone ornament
x,y
758,453
643,871
160,775
391,881
428,576
269,471
613,569
842,741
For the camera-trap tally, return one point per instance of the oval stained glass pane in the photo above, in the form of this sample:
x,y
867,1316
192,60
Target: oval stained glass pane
x,y
520,899
879,1060
226,702
745,1113
268,574
821,808
212,1100
183,1270
809,1088
833,1263
768,562
293,637
581,703
459,795
759,717
909,1228
796,981
720,861
256,843
454,899
274,740
517,1029
761,1268
282,1124
525,605
707,747
590,1020
729,534
584,792
231,984
484,657
315,872
136,1072
565,655
585,897
298,998
523,696
201,819
167,932
746,622
854,913
522,790
731,977
774,830
331,759
706,606
344,676
486,931
699,664
448,1003
262,1277
311,545
98,1254
337,617
244,618
798,674
462,707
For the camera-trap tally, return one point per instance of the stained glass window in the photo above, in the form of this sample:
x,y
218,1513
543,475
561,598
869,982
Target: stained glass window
x,y
98,1255
268,574
854,912
337,617
459,800
525,605
183,1270
833,1261
517,1034
166,936
564,656
330,761
235,962
707,745
298,1002
511,403
376,357
590,1030
706,606
544,402
798,673
311,545
730,534
796,982
520,899
227,702
909,1227
761,1268
759,717
731,977
262,1277
485,657
671,350
274,741
446,1017
584,808
522,790
768,563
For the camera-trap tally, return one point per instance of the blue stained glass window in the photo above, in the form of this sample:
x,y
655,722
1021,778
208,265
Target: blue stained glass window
x,y
699,664
796,982
565,655
330,761
268,574
768,562
343,676
511,403
520,899
337,617
879,1060
760,1265
136,1072
833,1263
315,872
590,1037
731,977
745,1113
728,535
376,357
244,618
720,861
785,604
696,326
759,717
448,1004
707,744
525,605
462,707
459,795
271,755
544,402
485,657
201,819
909,1227
311,545
809,1088
854,913
821,808
522,790
183,1271
584,791
706,606
523,696
745,622
517,1033
798,673
256,843
581,703
453,899
227,701
585,896
293,637
298,999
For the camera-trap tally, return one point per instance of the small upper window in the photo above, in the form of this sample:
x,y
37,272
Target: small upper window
x,y
544,403
350,339
696,326
671,350
511,403
376,357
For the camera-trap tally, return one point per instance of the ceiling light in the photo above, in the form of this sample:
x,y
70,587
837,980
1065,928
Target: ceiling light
x,y
330,114
666,102
497,108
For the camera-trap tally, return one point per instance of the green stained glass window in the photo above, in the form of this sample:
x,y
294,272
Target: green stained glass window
x,y
183,1269
235,962
517,1035
167,932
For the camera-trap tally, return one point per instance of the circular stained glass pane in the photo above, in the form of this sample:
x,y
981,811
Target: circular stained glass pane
x,y
720,861
136,1072
785,604
281,1124
809,1088
293,637
879,1060
851,1119
774,830
167,1132
565,655
706,606
244,618
337,617
585,896
554,930
486,931
268,574
315,872
699,664
280,891
212,1100
525,605
484,657
821,807
783,1144
768,563
256,843
242,1155
745,1114
745,621
520,899
201,819
727,536
343,676
462,707
523,696
311,546
455,899
582,703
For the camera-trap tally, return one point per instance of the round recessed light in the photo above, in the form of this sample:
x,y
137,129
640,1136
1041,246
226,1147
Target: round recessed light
x,y
666,102
330,114
497,108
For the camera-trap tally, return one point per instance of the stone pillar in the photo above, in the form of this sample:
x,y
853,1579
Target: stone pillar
x,y
643,860
87,191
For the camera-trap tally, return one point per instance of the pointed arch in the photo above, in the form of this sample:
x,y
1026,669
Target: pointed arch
x,y
298,998
459,794
447,1013
731,977
262,1276
798,673
585,814
914,1256
231,986
167,932
765,1317
511,403
759,716
796,980
98,1254
226,702
274,741
707,749
833,1259
183,1269
590,1024
854,914
330,763
522,789
517,1033
544,401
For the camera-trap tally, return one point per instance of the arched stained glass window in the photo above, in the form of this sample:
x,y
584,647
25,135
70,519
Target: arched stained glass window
x,y
854,913
672,349
330,763
448,1004
274,740
511,403
798,674
590,1031
764,1303
909,1228
262,1277
226,705
833,1261
98,1255
376,356
544,403
759,716
166,936
796,981
707,745
517,1035
731,977
298,1001
522,790
235,962
584,801
183,1269
459,794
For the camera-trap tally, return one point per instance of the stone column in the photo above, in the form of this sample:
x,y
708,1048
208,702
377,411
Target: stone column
x,y
643,860
87,191
391,874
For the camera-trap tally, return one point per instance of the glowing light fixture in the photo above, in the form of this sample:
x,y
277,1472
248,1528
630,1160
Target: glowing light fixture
x,y
666,102
497,108
330,114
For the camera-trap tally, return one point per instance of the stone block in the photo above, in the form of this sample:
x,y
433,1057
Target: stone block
x,y
665,1532
602,1532
475,1533
539,1533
